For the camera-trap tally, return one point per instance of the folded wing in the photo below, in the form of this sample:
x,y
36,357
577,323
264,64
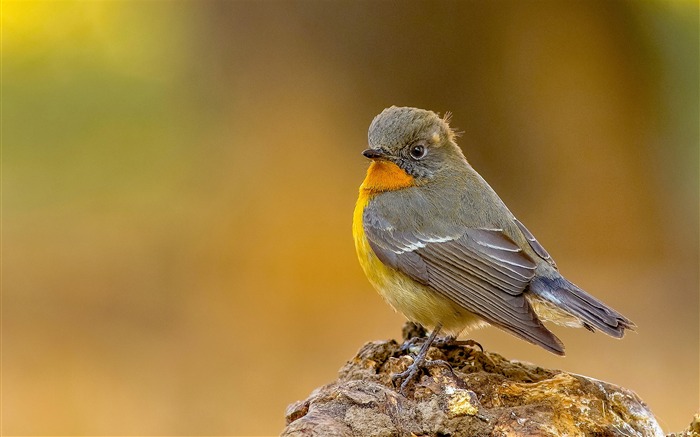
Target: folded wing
x,y
482,270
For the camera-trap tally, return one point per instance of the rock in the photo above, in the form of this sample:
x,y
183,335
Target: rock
x,y
483,394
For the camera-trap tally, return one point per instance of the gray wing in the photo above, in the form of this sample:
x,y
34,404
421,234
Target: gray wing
x,y
534,244
482,270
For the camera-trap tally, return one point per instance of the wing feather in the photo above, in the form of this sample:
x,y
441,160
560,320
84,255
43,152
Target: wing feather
x,y
481,270
534,244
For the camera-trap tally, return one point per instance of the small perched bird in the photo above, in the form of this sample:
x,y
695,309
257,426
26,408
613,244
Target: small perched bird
x,y
443,249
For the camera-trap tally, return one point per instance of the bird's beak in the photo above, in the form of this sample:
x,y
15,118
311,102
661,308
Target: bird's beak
x,y
373,154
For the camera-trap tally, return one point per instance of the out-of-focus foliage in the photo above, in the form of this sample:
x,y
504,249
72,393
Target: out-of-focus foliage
x,y
178,180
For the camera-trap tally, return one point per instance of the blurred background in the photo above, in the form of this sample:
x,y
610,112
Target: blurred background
x,y
179,179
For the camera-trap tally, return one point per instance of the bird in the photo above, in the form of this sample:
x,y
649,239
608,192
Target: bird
x,y
442,248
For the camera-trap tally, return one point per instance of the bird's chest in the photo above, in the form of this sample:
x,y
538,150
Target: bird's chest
x,y
416,301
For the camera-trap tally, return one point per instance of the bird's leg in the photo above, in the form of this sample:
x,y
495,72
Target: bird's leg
x,y
419,362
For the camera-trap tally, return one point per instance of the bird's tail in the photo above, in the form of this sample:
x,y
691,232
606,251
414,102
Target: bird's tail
x,y
589,311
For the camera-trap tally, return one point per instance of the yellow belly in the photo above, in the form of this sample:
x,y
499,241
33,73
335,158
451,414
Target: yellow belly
x,y
417,302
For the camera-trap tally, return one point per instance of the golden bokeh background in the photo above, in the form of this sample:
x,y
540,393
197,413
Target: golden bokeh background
x,y
178,181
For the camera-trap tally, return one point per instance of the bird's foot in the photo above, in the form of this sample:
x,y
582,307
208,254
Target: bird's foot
x,y
413,372
420,362
452,341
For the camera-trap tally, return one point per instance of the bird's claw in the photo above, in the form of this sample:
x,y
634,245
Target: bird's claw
x,y
407,376
414,370
451,341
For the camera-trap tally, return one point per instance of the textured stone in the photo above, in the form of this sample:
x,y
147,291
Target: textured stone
x,y
483,394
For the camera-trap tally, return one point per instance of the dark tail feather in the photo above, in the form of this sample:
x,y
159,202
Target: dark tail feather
x,y
535,333
593,313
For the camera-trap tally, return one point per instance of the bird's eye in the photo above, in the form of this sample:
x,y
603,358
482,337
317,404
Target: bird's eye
x,y
418,151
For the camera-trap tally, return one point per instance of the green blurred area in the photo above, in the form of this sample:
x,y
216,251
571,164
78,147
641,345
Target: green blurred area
x,y
178,180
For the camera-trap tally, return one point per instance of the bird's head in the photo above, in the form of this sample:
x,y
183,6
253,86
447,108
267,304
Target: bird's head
x,y
418,141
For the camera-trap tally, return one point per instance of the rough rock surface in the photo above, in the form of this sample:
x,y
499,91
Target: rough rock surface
x,y
483,394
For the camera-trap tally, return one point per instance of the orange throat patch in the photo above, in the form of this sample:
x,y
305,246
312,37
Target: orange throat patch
x,y
385,176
